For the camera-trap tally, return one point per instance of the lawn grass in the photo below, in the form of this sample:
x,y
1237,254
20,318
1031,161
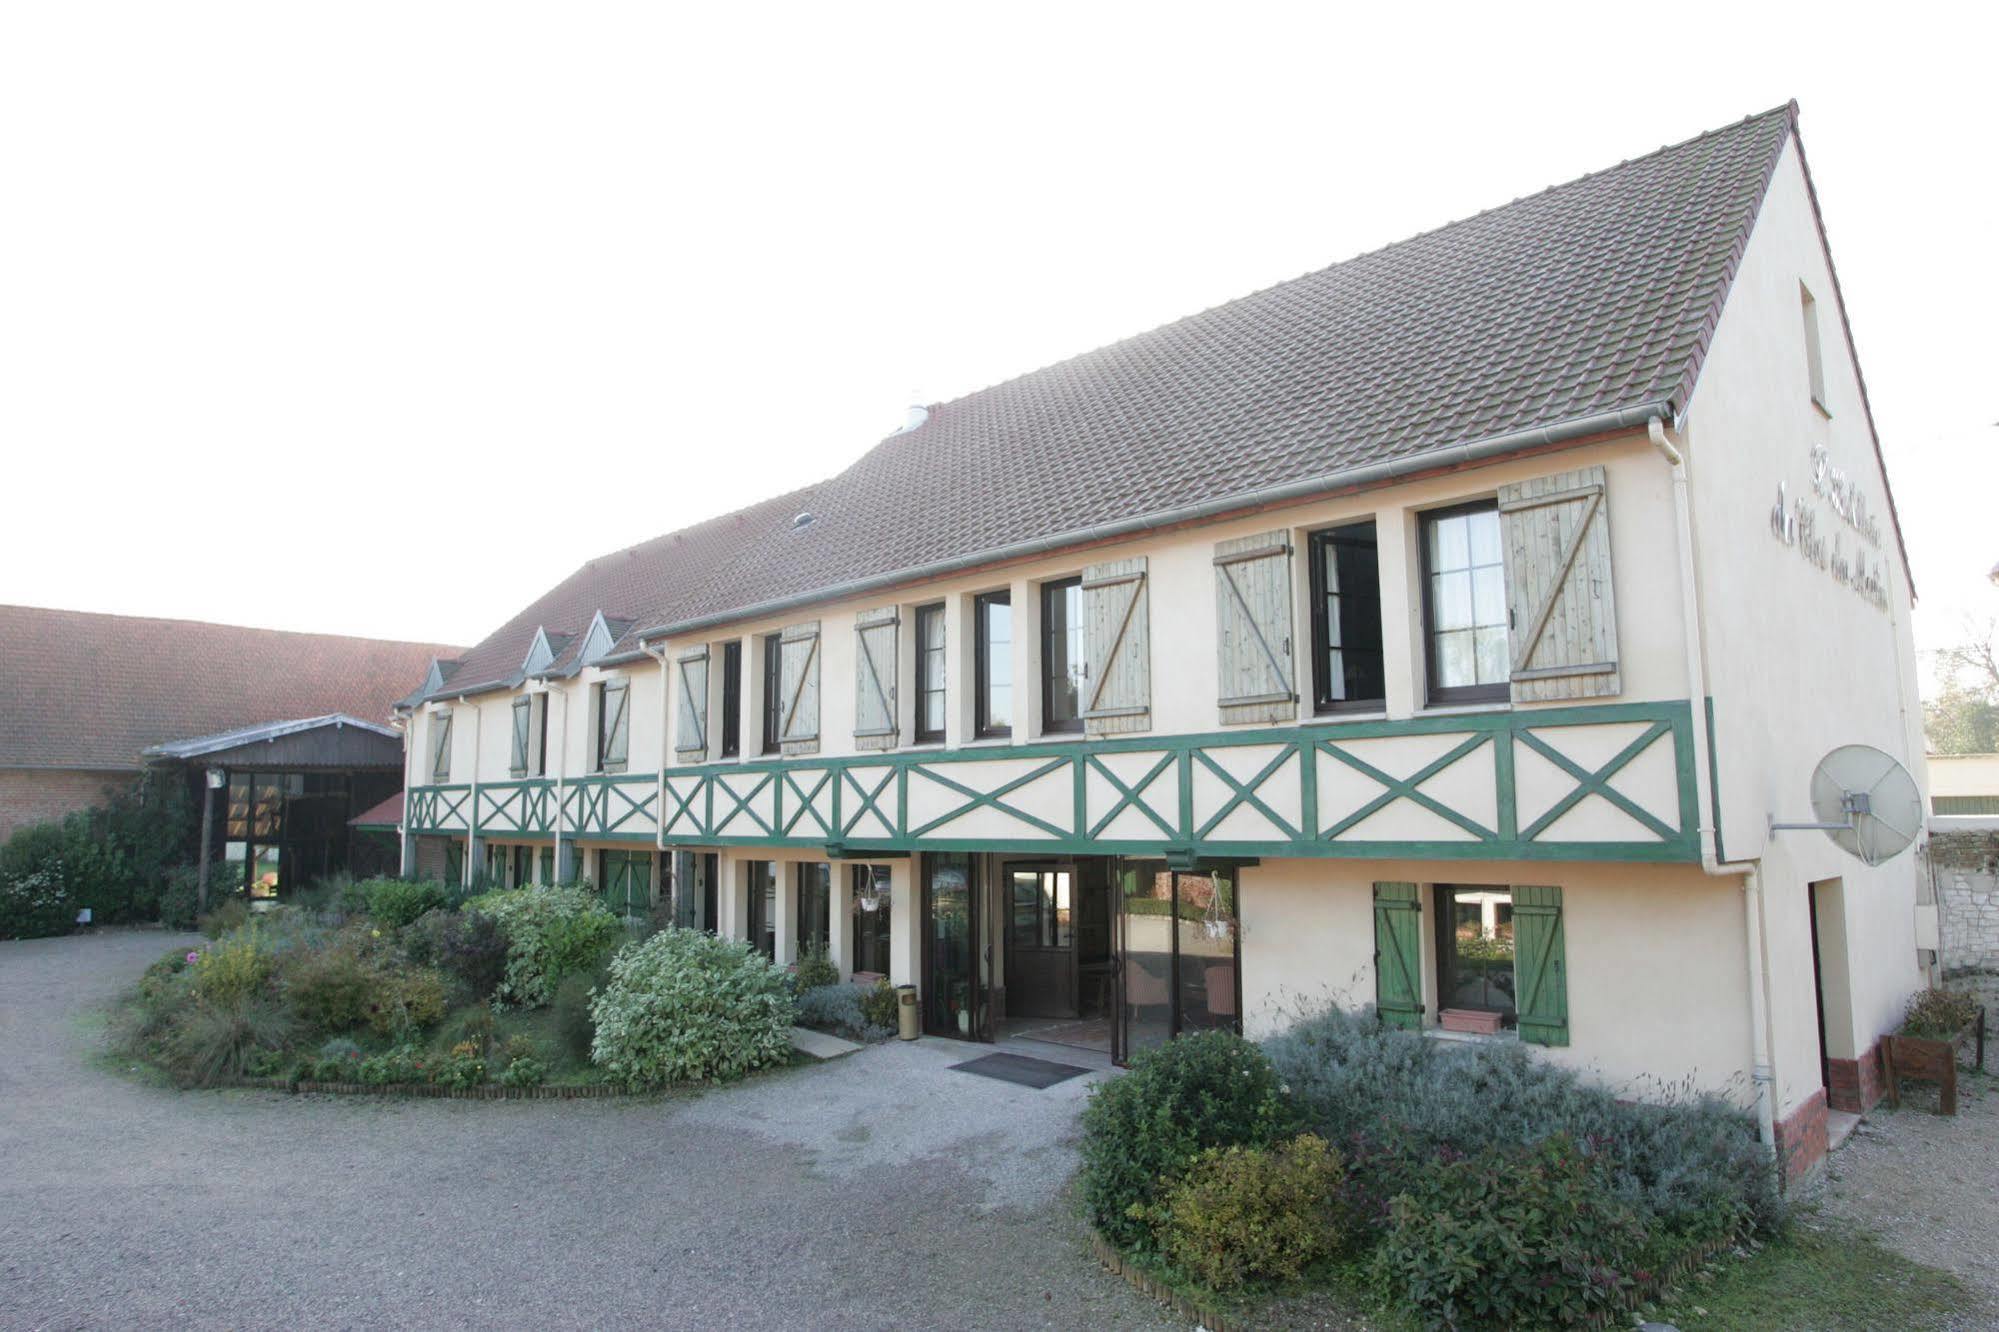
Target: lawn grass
x,y
1820,1275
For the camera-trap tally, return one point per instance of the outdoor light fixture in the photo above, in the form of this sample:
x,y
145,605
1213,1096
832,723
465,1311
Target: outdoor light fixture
x,y
217,779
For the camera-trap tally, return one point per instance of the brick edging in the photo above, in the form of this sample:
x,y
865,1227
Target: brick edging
x,y
584,1091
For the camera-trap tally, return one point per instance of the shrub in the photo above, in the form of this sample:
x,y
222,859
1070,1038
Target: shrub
x,y
685,1006
575,1029
550,933
1255,1213
330,990
35,904
1693,1165
180,897
840,1009
406,1001
403,1064
394,903
232,969
1140,1131
879,1006
466,945
525,1071
1509,1238
464,1066
1939,1014
232,915
816,970
209,1041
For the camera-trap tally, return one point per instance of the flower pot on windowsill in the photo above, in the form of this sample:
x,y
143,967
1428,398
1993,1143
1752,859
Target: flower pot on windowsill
x,y
1472,1021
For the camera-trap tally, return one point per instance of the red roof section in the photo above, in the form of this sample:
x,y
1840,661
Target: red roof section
x,y
79,690
388,814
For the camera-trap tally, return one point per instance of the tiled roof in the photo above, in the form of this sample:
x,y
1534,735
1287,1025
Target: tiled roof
x,y
1588,301
388,814
94,691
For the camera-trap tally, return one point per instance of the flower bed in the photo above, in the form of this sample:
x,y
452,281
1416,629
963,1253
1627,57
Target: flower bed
x,y
1456,1187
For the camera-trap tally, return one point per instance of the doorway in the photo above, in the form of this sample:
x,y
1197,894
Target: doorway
x,y
1179,955
957,956
1056,951
1831,992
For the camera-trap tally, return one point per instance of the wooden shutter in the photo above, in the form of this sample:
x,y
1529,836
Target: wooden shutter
x,y
615,724
440,747
691,726
1563,621
517,760
798,672
1540,967
1253,628
1117,647
1398,954
874,678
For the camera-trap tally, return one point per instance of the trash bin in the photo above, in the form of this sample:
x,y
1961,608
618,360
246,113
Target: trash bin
x,y
905,1012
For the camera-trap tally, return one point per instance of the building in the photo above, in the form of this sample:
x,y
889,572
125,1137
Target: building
x,y
295,726
1964,785
1440,630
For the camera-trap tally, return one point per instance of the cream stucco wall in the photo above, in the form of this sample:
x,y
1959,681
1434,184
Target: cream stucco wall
x,y
1798,663
1963,774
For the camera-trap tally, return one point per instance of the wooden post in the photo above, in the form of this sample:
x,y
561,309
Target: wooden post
x,y
207,836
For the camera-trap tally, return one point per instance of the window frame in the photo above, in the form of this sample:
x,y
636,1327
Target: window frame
x,y
440,747
877,923
1434,694
1443,953
923,685
1050,590
772,732
983,725
1814,349
1316,543
808,875
731,741
603,688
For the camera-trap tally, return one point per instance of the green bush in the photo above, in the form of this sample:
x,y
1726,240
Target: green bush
x,y
467,946
111,858
1141,1131
685,1006
1509,1238
1939,1014
330,990
394,903
207,1042
1692,1164
464,1066
35,904
233,969
815,969
1255,1214
550,933
232,915
180,897
879,1006
575,1029
407,999
524,1071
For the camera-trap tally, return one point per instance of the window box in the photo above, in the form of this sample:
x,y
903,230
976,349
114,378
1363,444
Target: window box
x,y
1472,1021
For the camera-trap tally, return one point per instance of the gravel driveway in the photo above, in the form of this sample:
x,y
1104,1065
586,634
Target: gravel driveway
x,y
880,1190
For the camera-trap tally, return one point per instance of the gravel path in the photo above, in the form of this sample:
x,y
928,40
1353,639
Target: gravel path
x,y
1925,1185
880,1190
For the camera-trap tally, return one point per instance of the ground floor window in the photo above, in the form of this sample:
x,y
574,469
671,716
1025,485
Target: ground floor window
x,y
871,918
1181,946
1475,948
454,861
815,908
548,864
760,922
523,865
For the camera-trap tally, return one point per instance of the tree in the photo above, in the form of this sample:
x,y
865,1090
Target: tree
x,y
1963,716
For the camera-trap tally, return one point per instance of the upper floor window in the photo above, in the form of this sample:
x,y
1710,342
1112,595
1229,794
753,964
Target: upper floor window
x,y
992,620
1464,604
732,698
1814,355
440,747
930,674
1062,663
527,754
1346,620
613,725
773,727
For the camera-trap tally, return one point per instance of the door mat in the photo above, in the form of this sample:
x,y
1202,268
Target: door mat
x,y
1021,1070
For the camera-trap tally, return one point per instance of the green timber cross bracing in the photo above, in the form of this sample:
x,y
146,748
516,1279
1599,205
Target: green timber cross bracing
x,y
1608,782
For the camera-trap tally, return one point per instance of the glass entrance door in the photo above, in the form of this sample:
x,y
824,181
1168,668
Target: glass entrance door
x,y
1179,955
957,958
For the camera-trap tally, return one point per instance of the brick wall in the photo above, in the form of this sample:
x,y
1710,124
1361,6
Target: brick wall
x,y
1801,1139
31,795
1856,1083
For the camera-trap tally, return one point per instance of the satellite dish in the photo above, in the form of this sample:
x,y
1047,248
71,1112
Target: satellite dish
x,y
1866,802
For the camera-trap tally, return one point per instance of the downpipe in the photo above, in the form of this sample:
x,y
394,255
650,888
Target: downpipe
x,y
1762,1071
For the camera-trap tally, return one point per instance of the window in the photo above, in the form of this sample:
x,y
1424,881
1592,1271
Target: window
x,y
773,729
760,924
1464,604
1475,948
1964,804
992,617
871,928
528,752
1346,620
1814,355
523,865
732,699
1039,912
625,880
1062,663
440,747
613,726
930,675
815,909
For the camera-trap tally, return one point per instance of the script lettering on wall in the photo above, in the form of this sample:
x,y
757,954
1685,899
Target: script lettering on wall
x,y
1846,544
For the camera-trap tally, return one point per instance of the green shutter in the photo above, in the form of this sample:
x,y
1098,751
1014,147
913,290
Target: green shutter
x,y
548,864
1540,967
1398,954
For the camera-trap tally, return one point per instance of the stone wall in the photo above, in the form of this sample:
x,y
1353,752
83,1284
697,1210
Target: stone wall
x,y
1968,901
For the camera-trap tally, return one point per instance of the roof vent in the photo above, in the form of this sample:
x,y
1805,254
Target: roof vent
x,y
913,419
802,521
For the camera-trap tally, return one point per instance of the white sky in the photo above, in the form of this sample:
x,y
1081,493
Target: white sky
x,y
380,318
